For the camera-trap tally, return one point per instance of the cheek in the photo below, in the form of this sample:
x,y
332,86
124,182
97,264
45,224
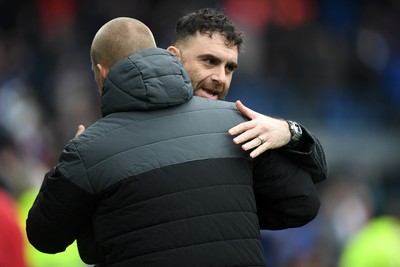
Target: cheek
x,y
226,89
228,83
194,75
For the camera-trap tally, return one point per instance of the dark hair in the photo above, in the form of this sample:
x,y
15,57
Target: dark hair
x,y
208,20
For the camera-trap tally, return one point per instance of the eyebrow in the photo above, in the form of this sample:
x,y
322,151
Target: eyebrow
x,y
231,64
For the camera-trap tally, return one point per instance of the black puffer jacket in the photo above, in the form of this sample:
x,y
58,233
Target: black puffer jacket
x,y
152,186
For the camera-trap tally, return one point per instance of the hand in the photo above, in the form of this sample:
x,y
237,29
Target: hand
x,y
261,132
81,129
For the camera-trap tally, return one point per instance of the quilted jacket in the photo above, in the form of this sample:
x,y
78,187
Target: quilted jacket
x,y
158,181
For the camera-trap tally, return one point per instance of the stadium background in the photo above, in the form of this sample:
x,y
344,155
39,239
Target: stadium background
x,y
333,65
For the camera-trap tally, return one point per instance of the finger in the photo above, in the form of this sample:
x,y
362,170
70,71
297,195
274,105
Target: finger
x,y
249,113
246,136
243,109
255,142
81,129
242,127
259,150
256,152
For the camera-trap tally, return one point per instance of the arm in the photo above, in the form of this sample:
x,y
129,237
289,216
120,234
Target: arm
x,y
308,154
61,210
285,194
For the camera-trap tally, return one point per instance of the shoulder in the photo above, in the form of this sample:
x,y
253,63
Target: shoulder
x,y
221,109
200,103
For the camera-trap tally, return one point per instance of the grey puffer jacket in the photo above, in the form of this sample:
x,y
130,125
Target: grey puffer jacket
x,y
158,181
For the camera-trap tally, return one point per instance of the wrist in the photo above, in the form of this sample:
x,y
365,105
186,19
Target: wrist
x,y
295,133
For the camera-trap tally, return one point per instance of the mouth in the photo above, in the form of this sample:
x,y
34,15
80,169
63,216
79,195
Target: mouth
x,y
207,93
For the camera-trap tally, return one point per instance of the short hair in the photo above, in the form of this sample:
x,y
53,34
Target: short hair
x,y
208,21
118,39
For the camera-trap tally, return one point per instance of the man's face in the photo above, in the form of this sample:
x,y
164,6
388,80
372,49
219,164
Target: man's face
x,y
210,64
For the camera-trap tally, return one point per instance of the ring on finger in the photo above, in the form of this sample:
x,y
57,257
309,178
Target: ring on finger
x,y
262,141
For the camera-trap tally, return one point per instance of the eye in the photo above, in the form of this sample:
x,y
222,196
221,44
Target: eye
x,y
210,61
230,68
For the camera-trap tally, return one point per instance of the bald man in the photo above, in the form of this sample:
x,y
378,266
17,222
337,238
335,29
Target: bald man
x,y
157,181
114,41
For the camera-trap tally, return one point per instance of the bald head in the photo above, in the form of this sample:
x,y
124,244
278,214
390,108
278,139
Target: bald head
x,y
118,39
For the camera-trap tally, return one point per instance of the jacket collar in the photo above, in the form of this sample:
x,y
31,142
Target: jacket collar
x,y
149,79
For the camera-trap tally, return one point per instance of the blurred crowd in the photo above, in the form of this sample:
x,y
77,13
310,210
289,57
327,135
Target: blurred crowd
x,y
333,65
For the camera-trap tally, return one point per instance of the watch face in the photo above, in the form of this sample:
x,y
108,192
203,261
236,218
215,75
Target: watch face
x,y
295,130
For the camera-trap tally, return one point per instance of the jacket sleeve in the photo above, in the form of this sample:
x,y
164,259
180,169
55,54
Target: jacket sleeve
x,y
285,194
60,211
309,155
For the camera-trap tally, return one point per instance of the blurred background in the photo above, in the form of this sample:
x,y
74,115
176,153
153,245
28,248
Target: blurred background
x,y
332,65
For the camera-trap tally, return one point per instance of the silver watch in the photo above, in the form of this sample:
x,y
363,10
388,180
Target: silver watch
x,y
295,132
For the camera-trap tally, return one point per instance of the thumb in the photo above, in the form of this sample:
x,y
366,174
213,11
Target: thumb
x,y
249,113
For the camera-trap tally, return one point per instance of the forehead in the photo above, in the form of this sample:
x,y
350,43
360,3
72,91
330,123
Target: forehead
x,y
214,44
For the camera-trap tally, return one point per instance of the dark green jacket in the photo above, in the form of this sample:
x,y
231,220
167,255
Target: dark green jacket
x,y
158,181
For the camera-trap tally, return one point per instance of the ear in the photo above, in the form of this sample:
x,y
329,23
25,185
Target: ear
x,y
103,70
174,50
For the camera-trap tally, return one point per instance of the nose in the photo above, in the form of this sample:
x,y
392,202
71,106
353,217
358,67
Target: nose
x,y
219,75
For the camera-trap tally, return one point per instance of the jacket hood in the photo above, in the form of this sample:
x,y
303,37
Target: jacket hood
x,y
149,79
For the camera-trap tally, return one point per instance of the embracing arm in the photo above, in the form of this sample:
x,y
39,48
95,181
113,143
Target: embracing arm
x,y
60,211
285,194
308,154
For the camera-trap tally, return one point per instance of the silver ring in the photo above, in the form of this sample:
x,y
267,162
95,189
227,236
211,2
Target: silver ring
x,y
261,140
